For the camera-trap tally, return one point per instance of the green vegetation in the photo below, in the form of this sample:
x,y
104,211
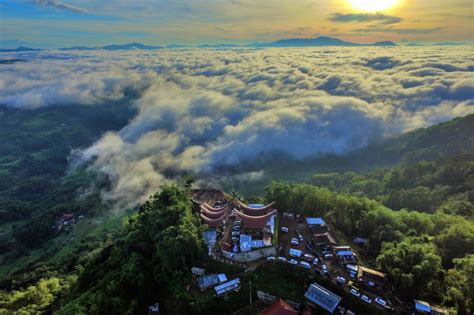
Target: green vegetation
x,y
150,262
410,246
425,244
34,183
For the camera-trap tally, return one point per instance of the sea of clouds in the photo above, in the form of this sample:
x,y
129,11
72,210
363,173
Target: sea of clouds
x,y
203,109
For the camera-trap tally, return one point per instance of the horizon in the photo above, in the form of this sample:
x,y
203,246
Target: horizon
x,y
57,24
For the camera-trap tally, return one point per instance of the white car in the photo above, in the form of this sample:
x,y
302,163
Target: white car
x,y
282,259
292,261
327,256
354,292
271,258
294,241
304,264
381,302
300,237
315,261
284,229
325,269
341,280
366,299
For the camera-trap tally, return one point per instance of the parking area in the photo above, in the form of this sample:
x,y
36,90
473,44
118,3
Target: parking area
x,y
297,246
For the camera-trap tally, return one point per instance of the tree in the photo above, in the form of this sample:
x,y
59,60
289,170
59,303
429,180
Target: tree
x,y
456,241
414,266
460,285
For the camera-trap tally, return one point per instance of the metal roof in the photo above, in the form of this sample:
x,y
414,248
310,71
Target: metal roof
x,y
227,287
210,280
322,297
315,221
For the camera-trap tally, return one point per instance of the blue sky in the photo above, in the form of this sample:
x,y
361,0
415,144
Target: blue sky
x,y
59,23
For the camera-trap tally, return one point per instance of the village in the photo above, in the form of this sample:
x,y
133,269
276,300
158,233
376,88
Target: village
x,y
252,235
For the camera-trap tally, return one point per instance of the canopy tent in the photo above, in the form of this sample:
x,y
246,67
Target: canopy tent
x,y
208,207
255,222
255,210
212,214
212,222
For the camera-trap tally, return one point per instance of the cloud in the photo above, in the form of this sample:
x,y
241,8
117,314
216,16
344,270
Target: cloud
x,y
402,31
59,5
212,112
364,17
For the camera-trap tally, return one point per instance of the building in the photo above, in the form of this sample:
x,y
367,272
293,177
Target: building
x,y
345,255
208,281
196,271
360,241
372,278
322,297
324,239
422,307
229,286
213,217
315,221
279,307
258,222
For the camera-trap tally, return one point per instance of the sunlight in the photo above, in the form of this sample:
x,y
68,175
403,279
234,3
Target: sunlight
x,y
372,5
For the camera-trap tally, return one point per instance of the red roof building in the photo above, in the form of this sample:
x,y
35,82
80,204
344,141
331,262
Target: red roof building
x,y
252,222
279,307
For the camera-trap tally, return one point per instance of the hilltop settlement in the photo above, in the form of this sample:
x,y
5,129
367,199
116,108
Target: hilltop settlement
x,y
255,235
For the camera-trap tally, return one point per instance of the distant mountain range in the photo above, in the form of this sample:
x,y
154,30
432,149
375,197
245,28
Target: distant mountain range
x,y
291,42
19,49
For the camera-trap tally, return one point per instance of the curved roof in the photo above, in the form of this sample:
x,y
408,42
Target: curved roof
x,y
208,207
255,222
212,222
212,214
255,210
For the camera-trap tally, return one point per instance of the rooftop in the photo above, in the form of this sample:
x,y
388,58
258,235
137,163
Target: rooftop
x,y
322,297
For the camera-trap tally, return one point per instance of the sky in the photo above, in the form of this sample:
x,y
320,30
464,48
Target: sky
x,y
61,23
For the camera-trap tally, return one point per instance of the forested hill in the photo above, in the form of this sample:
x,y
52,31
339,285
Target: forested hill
x,y
439,141
446,140
426,170
451,138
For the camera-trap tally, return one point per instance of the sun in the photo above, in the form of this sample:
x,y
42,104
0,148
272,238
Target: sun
x,y
372,5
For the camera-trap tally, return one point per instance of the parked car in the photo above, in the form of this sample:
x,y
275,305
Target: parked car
x,y
366,299
300,237
352,274
328,256
282,259
325,269
271,258
284,229
381,302
294,241
308,257
341,280
304,264
292,261
235,233
354,292
315,261
235,238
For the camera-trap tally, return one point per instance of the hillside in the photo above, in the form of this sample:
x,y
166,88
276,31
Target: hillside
x,y
450,139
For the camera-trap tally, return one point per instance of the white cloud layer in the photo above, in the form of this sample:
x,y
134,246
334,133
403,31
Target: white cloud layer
x,y
199,110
